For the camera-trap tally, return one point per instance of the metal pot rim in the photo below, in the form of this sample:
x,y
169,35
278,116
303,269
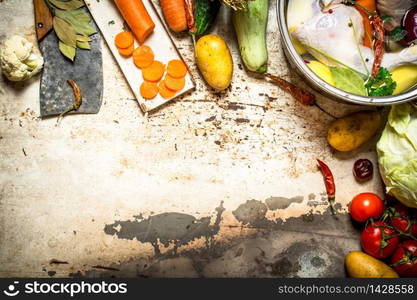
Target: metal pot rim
x,y
319,84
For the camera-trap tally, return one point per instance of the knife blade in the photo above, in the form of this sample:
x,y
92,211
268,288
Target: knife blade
x,y
56,95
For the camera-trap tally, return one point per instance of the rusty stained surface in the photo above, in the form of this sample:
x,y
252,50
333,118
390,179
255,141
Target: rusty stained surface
x,y
213,184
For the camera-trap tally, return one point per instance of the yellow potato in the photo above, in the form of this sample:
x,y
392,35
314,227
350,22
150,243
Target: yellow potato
x,y
405,76
322,71
352,131
361,265
214,61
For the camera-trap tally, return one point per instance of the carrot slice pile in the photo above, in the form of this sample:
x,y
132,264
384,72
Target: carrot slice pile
x,y
175,84
154,72
143,57
164,91
176,68
149,90
126,51
124,39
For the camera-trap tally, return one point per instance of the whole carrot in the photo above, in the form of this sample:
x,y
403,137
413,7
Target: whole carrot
x,y
137,17
175,14
364,7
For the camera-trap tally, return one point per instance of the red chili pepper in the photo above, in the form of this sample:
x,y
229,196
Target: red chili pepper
x,y
189,13
328,181
379,47
304,97
379,37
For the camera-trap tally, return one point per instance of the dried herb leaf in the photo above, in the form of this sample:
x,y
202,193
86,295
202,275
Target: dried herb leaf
x,y
67,5
68,51
65,32
72,25
83,45
398,34
348,81
83,38
79,20
80,14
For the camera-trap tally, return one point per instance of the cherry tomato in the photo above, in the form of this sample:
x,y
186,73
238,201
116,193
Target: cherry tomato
x,y
413,229
413,216
402,224
401,219
401,210
404,260
379,240
365,206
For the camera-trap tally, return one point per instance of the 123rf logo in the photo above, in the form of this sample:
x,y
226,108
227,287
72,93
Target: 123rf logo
x,y
62,288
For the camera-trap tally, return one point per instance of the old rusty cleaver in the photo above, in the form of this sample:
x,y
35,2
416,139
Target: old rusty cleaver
x,y
56,95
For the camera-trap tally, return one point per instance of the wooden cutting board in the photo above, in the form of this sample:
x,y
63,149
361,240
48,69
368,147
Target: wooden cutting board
x,y
110,23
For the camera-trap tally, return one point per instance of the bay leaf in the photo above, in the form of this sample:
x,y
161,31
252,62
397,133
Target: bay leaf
x,y
67,5
66,50
65,32
83,45
81,15
348,81
83,38
78,19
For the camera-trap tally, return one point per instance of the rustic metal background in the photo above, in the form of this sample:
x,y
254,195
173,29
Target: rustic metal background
x,y
214,184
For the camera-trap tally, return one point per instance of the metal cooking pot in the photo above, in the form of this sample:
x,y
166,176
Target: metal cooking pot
x,y
318,84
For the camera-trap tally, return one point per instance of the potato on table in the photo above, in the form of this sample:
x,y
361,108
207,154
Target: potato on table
x,y
361,265
214,61
351,132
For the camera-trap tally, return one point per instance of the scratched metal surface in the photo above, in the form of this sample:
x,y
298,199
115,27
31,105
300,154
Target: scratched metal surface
x,y
214,184
88,73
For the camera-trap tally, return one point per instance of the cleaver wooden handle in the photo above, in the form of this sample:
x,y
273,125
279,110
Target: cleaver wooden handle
x,y
43,19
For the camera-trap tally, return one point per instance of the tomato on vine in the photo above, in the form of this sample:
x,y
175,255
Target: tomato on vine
x,y
401,220
404,260
379,240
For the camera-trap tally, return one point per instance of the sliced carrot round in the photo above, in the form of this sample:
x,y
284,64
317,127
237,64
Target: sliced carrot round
x,y
175,84
164,91
176,68
124,39
154,72
143,56
149,90
127,51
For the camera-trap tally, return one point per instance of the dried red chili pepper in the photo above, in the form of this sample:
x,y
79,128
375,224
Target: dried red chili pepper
x,y
379,46
329,182
77,94
305,98
78,100
189,13
379,36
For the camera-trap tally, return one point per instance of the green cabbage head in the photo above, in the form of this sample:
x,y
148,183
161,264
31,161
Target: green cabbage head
x,y
397,153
